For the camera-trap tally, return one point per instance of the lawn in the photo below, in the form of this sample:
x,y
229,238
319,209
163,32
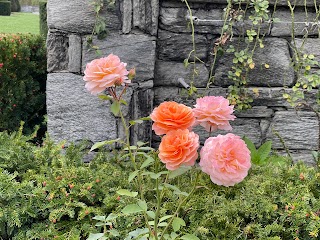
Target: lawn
x,y
20,23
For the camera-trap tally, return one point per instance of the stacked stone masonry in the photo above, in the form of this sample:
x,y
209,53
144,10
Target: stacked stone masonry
x,y
153,36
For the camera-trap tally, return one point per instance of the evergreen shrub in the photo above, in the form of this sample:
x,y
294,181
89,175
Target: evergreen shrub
x,y
15,6
58,195
23,80
43,18
5,8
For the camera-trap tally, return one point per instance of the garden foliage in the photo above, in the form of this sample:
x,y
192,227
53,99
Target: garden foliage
x,y
23,80
5,8
58,196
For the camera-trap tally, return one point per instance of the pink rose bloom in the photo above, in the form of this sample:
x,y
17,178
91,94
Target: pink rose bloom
x,y
179,147
226,159
213,113
105,72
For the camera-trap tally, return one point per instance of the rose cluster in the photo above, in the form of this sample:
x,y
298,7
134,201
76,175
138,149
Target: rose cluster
x,y
225,158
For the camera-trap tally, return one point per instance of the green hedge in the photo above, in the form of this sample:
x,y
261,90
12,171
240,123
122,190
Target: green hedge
x,y
23,80
15,6
43,18
5,8
58,195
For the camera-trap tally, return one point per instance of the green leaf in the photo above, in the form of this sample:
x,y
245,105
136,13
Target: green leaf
x,y
189,237
133,122
264,151
186,62
95,236
146,148
111,216
315,154
147,162
103,143
165,218
177,223
179,171
122,101
143,205
99,224
132,175
125,192
105,97
114,233
140,144
131,147
132,208
100,218
155,175
115,108
252,149
151,214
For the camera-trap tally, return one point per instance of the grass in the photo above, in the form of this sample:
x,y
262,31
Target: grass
x,y
20,23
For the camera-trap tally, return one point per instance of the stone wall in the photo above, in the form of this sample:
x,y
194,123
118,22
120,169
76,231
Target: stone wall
x,y
153,36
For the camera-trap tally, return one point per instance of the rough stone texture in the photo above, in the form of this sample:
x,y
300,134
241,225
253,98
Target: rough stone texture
x,y
74,114
309,3
256,112
311,46
74,53
72,15
145,15
142,102
299,130
283,28
275,53
138,50
205,21
173,46
248,127
167,74
127,17
57,51
176,94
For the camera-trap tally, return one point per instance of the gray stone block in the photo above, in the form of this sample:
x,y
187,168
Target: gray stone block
x,y
167,74
74,114
57,51
275,53
73,15
145,15
299,130
74,53
283,28
255,112
209,21
173,46
309,3
137,50
241,127
126,16
142,102
180,95
310,46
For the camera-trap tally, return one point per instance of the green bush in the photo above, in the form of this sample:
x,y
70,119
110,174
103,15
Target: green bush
x,y
5,8
43,18
58,195
23,79
15,6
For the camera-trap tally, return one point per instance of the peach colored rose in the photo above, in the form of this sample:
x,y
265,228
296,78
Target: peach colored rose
x,y
171,116
105,72
213,113
226,159
179,147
